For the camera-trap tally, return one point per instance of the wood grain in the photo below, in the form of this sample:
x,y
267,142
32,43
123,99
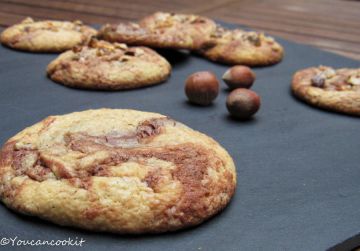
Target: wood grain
x,y
332,25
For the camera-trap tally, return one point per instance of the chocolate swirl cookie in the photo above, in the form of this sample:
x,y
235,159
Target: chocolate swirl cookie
x,y
109,66
162,30
121,171
46,36
328,88
241,47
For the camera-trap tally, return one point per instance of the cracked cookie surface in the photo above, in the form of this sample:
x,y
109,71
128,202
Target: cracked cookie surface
x,y
241,47
328,88
121,171
46,36
162,30
109,66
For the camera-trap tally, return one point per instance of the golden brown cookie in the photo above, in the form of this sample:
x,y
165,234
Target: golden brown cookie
x,y
46,36
121,171
106,66
241,47
331,89
162,30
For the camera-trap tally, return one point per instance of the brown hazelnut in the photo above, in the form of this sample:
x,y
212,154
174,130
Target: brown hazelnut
x,y
239,76
202,87
243,103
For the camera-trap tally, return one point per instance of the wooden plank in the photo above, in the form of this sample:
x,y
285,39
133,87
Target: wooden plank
x,y
333,25
301,21
345,54
290,17
303,30
120,9
70,8
8,18
56,14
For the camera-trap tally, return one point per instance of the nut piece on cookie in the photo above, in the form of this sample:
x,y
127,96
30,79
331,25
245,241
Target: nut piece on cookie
x,y
162,30
318,80
354,80
109,66
46,36
120,171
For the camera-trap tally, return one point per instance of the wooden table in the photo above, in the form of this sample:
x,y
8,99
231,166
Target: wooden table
x,y
332,25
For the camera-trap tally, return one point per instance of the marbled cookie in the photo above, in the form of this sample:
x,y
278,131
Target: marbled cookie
x,y
121,171
239,47
46,36
162,30
331,89
109,66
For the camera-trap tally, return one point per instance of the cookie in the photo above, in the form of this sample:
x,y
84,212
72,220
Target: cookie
x,y
46,36
241,47
162,30
121,171
106,66
331,89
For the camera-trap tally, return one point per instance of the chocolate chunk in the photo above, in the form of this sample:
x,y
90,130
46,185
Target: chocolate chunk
x,y
150,128
40,173
318,81
152,179
124,59
198,21
144,133
129,53
77,48
24,160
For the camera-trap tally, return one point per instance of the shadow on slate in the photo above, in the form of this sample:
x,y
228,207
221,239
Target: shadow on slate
x,y
298,166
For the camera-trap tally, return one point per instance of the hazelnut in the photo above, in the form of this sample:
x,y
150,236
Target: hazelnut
x,y
243,103
239,76
202,87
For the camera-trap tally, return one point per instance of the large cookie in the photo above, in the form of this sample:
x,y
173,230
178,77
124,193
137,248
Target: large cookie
x,y
107,66
121,171
46,36
332,89
241,47
162,30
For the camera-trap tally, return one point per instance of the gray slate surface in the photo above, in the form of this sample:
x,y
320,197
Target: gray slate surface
x,y
298,167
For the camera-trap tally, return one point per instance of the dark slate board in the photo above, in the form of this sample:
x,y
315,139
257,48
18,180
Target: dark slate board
x,y
298,167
